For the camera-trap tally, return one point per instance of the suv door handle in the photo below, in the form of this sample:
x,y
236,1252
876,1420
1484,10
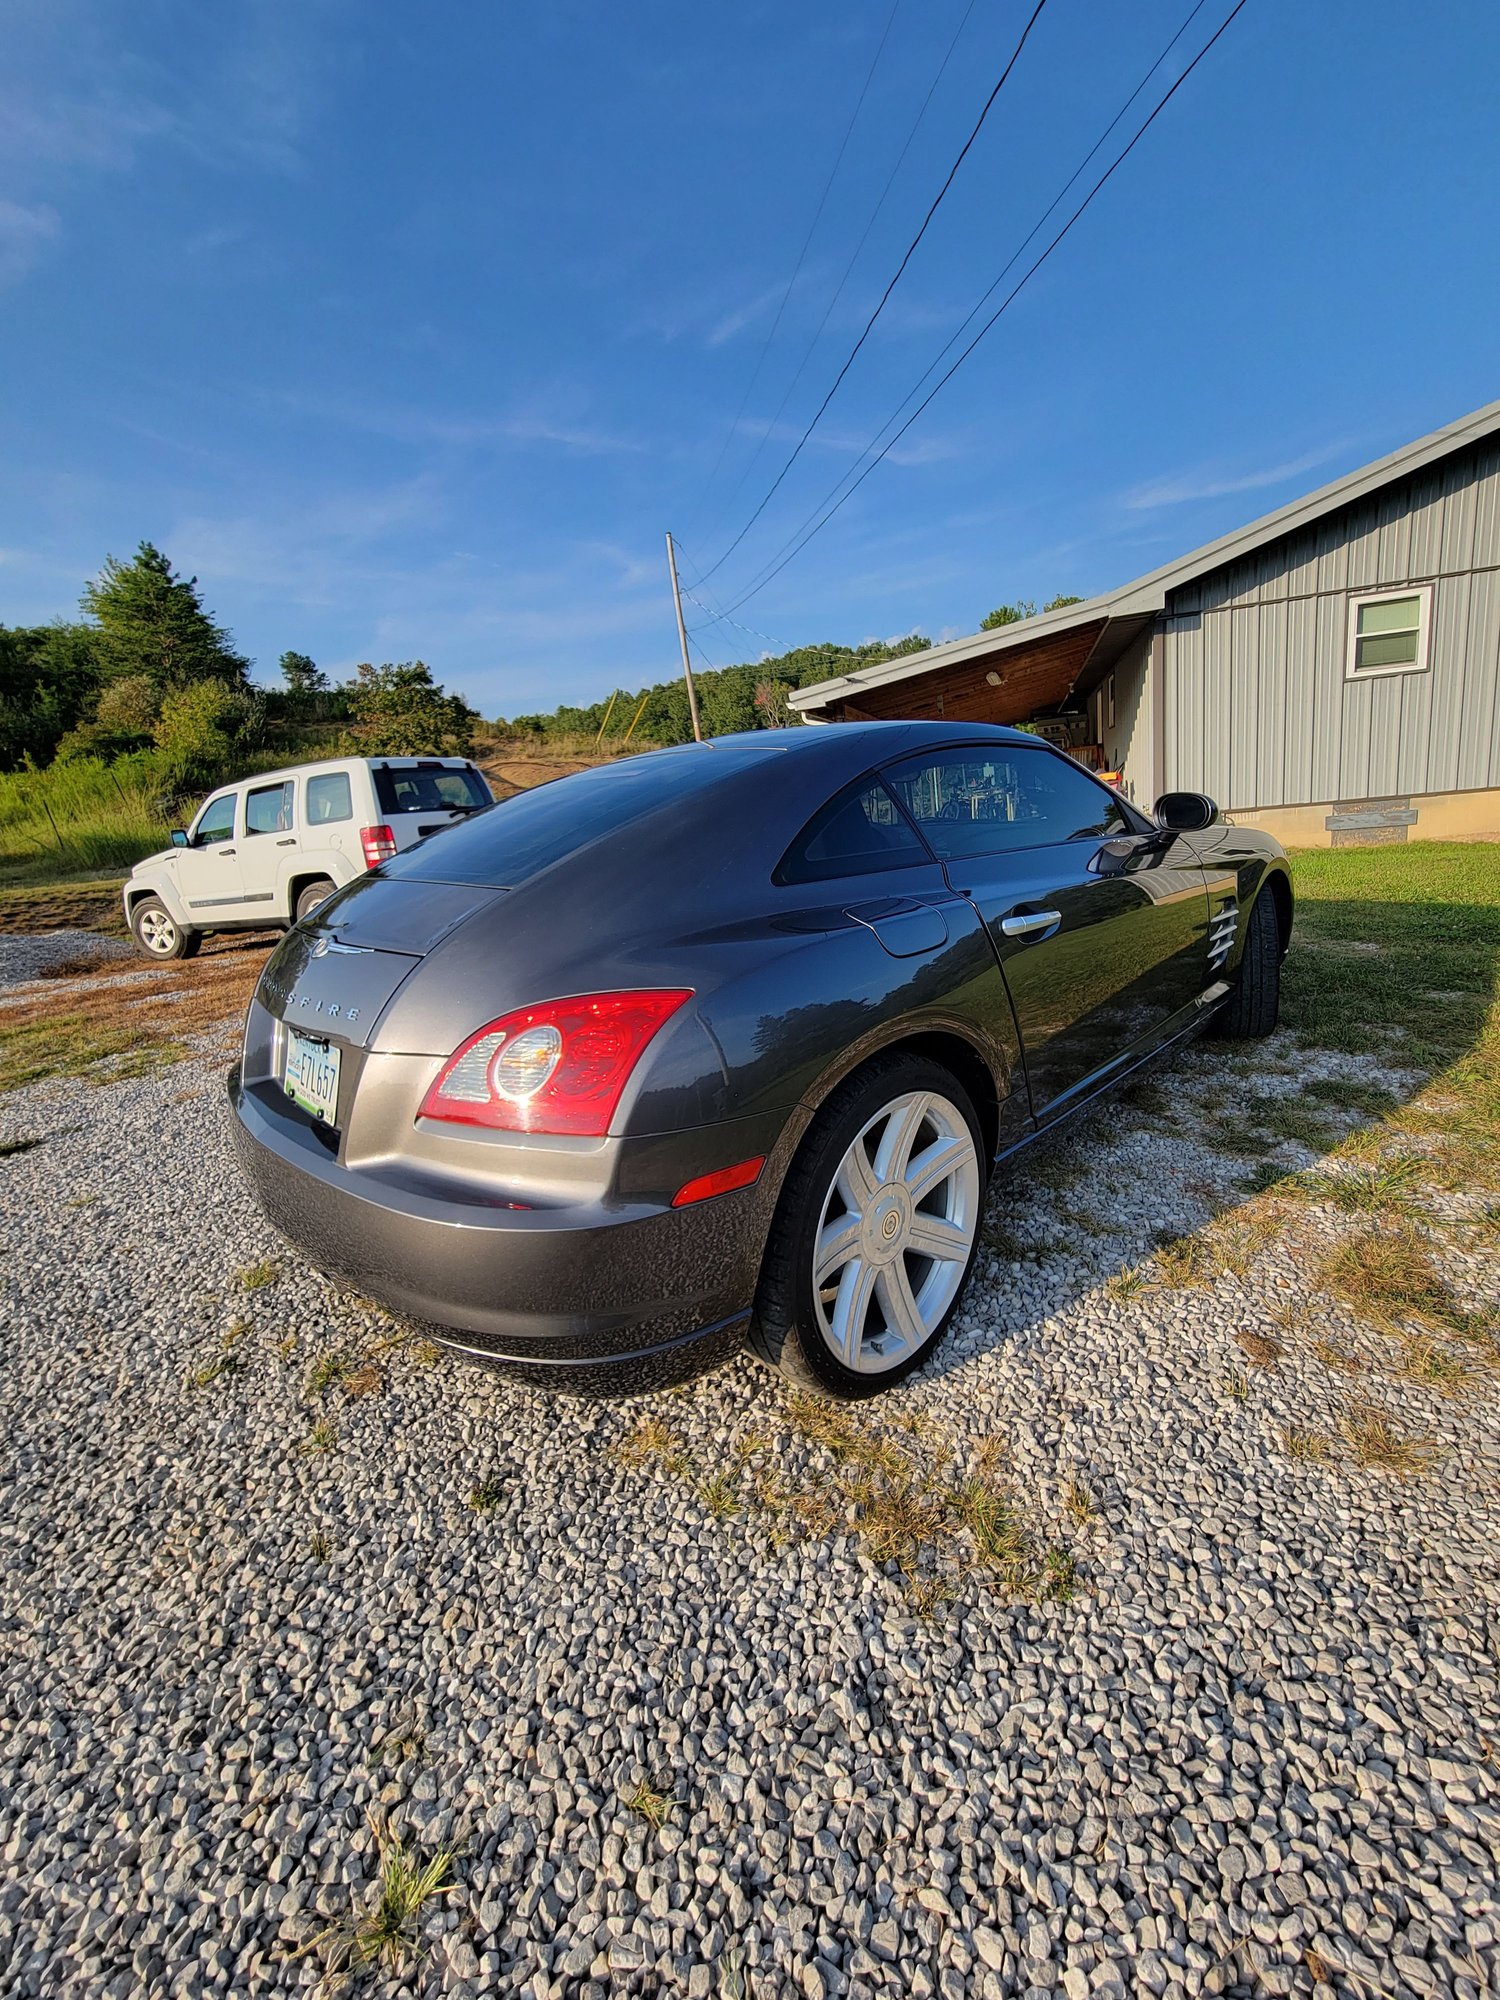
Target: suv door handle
x,y
292,842
1030,923
225,851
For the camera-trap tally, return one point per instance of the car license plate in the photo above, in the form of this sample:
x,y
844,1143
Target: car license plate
x,y
311,1076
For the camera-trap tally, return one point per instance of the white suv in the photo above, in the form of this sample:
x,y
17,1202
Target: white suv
x,y
267,851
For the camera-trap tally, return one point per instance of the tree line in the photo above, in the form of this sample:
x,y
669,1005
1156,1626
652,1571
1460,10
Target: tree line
x,y
148,675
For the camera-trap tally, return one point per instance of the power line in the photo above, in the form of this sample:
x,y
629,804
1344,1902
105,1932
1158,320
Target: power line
x,y
979,304
713,617
759,585
880,308
848,268
802,253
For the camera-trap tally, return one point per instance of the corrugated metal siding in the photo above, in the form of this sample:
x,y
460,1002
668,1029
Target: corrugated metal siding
x,y
1258,710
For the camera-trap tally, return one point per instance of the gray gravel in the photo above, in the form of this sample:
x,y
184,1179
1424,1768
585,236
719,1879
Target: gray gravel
x,y
23,958
1255,1753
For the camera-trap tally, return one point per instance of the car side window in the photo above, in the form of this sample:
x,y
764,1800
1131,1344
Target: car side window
x,y
859,832
983,801
216,821
268,808
329,798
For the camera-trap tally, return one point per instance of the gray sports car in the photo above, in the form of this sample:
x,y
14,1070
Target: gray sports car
x,y
725,1040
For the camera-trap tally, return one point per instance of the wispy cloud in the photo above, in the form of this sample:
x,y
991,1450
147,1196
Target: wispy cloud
x,y
1210,482
934,449
23,234
545,422
739,317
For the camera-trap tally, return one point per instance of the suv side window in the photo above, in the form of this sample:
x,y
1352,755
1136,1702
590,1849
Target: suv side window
x,y
329,798
984,801
268,808
858,832
216,821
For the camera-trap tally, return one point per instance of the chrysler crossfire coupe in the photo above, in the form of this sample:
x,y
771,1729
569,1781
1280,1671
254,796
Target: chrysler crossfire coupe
x,y
723,1042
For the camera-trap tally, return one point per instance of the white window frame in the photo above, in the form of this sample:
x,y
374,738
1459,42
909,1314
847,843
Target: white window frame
x,y
1423,593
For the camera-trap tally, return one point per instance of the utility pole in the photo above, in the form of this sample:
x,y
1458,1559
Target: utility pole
x,y
687,665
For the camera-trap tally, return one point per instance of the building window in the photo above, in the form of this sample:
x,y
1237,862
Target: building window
x,y
1389,632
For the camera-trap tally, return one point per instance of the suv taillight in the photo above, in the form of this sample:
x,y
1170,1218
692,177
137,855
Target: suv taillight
x,y
558,1067
379,844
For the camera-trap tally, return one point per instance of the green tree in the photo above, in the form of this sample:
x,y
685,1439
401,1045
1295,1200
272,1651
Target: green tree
x,y
202,730
49,678
152,623
128,707
401,711
302,674
1008,614
1060,603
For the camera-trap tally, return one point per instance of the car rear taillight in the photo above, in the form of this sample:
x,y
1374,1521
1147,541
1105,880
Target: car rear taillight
x,y
557,1067
379,844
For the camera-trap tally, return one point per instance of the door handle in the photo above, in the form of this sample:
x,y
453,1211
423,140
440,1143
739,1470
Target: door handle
x,y
1029,924
292,842
224,851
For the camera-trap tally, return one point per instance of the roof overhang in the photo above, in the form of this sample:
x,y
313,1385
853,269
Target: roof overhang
x,y
1111,621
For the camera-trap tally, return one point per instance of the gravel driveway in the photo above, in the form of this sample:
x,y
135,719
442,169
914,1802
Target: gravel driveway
x,y
1226,1723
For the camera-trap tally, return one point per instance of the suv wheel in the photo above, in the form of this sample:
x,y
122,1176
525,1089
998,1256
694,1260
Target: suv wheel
x,y
875,1231
158,932
315,893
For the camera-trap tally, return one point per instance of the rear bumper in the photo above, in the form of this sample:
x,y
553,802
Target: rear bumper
x,y
591,1296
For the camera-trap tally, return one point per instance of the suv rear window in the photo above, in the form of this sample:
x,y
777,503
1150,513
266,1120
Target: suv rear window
x,y
427,788
329,798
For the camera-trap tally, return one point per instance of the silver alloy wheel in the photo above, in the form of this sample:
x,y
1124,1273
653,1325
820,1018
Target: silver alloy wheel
x,y
157,932
894,1237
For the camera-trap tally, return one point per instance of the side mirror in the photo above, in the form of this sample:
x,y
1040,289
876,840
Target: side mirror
x,y
1185,812
179,837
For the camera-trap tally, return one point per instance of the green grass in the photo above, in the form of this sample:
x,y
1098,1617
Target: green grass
x,y
1431,909
77,816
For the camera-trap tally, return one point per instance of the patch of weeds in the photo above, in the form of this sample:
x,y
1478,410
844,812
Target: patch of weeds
x,y
81,1201
386,1932
1056,1171
255,1277
366,1380
648,1803
425,1353
487,1495
1268,1177
405,1740
1362,1189
1078,1503
1239,1140
1388,1275
1431,1366
319,1441
719,1497
330,1368
1127,1285
835,1428
650,1440
236,1331
320,1545
1236,1386
10,1147
1351,1094
1003,1241
1260,1348
1186,1260
1294,1119
1374,1442
286,1347
214,1369
1302,1442
1060,1576
1001,1540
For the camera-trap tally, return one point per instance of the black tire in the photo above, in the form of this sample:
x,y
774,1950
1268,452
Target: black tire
x,y
1250,1012
785,1329
309,898
158,933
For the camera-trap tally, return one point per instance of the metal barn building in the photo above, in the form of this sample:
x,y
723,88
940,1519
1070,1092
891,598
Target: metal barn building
x,y
1331,672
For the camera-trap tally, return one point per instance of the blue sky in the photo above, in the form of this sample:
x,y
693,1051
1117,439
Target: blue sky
x,y
410,330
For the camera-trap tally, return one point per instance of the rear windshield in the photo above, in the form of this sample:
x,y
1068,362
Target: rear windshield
x,y
429,788
522,835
